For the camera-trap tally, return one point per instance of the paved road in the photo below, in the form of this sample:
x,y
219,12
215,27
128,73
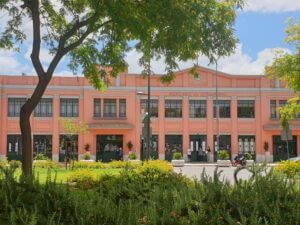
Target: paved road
x,y
196,170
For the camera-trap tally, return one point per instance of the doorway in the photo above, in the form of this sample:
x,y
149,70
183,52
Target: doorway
x,y
109,148
280,148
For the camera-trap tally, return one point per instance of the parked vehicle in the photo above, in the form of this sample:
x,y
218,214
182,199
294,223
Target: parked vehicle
x,y
240,160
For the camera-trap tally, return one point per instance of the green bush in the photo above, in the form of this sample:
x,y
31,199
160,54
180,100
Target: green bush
x,y
140,198
288,168
249,156
177,155
48,164
223,155
15,163
123,164
132,156
41,156
88,165
83,178
87,156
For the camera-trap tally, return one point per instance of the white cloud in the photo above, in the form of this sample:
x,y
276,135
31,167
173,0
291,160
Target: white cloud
x,y
272,5
10,65
45,56
237,63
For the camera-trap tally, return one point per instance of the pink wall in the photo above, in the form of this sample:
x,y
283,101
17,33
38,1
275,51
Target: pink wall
x,y
185,87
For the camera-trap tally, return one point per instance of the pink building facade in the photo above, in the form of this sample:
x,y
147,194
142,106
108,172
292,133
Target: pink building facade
x,y
184,117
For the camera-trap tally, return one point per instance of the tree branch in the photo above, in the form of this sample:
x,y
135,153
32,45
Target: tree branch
x,y
64,50
35,54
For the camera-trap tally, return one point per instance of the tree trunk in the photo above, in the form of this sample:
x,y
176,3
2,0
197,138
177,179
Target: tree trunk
x,y
25,127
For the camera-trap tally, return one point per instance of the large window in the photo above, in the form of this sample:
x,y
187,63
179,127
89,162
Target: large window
x,y
69,107
122,108
14,106
173,143
246,109
173,108
273,114
42,144
14,147
197,108
153,106
246,145
68,147
224,108
44,108
110,108
97,107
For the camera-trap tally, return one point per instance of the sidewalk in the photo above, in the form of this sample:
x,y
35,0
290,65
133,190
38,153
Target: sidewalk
x,y
215,164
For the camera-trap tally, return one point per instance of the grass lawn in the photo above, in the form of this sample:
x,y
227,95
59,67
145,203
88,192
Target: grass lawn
x,y
62,174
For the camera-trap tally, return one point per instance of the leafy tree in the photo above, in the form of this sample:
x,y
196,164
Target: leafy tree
x,y
96,33
72,128
287,68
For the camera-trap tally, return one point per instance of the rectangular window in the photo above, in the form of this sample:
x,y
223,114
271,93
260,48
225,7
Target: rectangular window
x,y
153,106
14,147
282,103
110,108
69,107
224,108
44,108
197,108
97,107
246,109
122,108
42,144
14,106
273,109
173,108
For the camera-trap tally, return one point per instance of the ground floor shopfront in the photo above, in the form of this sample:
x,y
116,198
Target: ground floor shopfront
x,y
110,146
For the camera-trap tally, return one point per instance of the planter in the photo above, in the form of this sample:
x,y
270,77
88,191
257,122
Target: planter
x,y
222,162
177,162
250,162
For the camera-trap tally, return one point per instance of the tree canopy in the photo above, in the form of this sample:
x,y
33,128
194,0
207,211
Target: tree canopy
x,y
286,67
98,33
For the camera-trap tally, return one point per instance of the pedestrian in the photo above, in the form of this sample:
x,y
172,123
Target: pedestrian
x,y
208,154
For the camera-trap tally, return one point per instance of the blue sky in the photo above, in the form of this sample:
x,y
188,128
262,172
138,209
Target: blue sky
x,y
260,29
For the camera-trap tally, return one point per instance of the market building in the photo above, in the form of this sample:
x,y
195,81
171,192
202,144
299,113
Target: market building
x,y
183,116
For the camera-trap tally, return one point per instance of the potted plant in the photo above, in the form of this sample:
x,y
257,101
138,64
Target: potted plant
x,y
177,159
87,157
223,158
249,160
132,157
129,145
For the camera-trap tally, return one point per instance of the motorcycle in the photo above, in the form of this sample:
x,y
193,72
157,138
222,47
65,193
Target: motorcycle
x,y
239,160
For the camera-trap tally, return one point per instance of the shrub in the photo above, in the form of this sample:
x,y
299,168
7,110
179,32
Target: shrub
x,y
46,164
289,168
41,156
15,163
123,164
177,155
88,165
132,156
249,156
158,166
223,155
87,156
83,178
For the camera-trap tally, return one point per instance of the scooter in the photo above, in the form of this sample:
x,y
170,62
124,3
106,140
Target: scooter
x,y
239,160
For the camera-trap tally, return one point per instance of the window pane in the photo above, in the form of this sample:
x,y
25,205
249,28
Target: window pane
x,y
110,108
97,107
246,108
14,106
69,107
197,108
153,106
122,110
173,108
224,108
273,109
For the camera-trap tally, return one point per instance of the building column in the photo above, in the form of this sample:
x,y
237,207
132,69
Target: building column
x,y
210,130
234,127
3,134
259,150
161,125
81,143
185,121
56,131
